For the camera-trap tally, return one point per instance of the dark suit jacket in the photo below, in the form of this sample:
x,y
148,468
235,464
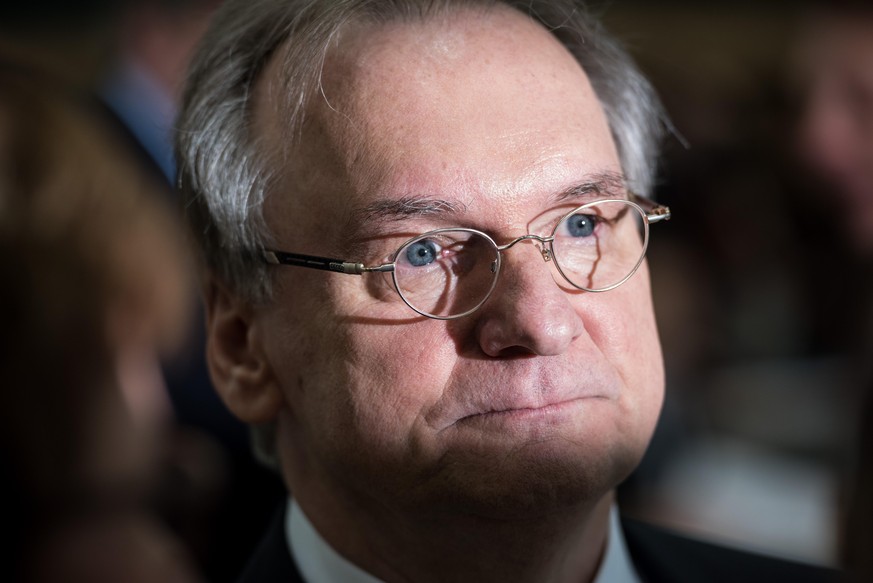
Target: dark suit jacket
x,y
658,555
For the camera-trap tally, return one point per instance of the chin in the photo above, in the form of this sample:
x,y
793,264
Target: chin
x,y
534,481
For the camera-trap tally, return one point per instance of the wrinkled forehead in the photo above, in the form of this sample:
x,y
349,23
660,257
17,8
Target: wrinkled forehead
x,y
456,103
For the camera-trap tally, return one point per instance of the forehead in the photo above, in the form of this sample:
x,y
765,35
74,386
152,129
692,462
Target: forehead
x,y
472,106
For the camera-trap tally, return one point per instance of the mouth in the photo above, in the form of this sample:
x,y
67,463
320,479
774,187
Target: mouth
x,y
547,412
525,394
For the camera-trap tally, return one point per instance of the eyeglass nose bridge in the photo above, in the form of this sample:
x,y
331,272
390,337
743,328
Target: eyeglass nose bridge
x,y
545,250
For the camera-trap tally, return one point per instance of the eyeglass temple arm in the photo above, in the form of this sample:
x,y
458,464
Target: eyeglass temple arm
x,y
655,212
324,263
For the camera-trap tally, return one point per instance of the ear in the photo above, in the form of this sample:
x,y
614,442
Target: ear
x,y
237,363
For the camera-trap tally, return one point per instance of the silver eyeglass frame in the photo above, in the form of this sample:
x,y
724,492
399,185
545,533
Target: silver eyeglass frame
x,y
648,209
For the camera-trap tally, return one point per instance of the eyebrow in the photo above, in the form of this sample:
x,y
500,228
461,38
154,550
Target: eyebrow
x,y
384,211
600,184
610,184
406,207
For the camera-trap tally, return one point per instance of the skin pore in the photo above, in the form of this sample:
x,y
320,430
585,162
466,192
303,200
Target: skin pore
x,y
483,448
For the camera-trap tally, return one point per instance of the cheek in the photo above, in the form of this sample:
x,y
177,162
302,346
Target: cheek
x,y
622,325
622,321
373,417
396,374
304,344
365,377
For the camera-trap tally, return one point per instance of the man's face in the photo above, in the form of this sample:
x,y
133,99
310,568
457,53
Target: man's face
x,y
835,63
545,394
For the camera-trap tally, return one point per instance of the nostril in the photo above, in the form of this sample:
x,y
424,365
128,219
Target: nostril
x,y
515,352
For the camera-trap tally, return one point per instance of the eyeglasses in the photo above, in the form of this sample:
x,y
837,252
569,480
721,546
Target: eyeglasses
x,y
449,273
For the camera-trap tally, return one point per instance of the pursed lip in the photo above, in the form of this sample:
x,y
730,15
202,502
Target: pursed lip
x,y
511,394
522,412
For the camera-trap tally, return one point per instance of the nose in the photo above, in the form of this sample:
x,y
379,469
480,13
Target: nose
x,y
528,313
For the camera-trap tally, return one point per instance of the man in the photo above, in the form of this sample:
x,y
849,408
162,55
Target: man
x,y
141,93
155,40
140,96
834,66
457,405
97,282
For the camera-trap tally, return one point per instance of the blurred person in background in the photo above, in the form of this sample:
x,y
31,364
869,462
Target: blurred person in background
x,y
834,69
132,55
141,91
154,41
835,63
95,287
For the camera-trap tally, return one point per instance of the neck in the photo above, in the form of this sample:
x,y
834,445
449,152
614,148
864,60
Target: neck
x,y
561,548
557,547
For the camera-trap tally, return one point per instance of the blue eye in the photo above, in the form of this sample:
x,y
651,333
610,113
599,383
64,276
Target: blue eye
x,y
581,225
421,253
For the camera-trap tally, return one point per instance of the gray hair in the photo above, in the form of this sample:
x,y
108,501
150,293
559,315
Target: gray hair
x,y
223,175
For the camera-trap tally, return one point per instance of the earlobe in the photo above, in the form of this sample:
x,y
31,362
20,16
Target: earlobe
x,y
237,363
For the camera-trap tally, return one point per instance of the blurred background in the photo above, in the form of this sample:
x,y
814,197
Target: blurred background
x,y
761,280
88,96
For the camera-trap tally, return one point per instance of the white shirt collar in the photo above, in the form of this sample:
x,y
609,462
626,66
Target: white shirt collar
x,y
318,562
617,566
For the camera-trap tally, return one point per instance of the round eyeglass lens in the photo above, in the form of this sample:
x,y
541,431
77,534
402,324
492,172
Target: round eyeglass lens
x,y
598,246
446,273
